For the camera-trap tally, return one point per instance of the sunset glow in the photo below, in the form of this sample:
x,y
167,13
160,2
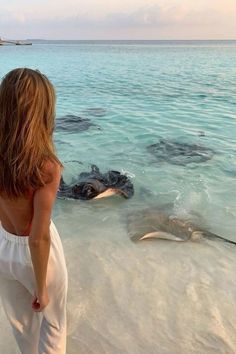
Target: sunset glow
x,y
110,19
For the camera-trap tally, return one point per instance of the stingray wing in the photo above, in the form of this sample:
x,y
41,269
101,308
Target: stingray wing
x,y
161,235
151,223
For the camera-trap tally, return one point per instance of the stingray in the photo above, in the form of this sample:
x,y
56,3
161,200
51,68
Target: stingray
x,y
94,185
179,153
157,224
73,124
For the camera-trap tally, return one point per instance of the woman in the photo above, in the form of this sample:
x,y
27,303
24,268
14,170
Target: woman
x,y
33,275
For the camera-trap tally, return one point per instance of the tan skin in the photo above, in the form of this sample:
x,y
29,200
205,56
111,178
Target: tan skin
x,y
31,216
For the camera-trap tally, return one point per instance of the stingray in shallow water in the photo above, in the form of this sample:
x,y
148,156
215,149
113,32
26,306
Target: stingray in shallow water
x,y
73,124
179,153
94,185
155,224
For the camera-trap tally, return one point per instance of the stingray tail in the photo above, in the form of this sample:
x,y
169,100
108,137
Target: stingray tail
x,y
210,235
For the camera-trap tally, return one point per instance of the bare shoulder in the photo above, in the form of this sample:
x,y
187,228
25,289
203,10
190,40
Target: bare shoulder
x,y
52,172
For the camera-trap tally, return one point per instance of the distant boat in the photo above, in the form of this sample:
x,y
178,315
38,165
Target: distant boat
x,y
14,42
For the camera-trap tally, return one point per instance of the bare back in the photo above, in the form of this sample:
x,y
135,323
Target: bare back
x,y
16,215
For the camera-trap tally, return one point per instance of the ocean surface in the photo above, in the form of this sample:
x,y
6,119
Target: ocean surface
x,y
154,297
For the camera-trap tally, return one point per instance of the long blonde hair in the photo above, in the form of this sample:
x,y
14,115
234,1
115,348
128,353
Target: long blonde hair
x,y
27,114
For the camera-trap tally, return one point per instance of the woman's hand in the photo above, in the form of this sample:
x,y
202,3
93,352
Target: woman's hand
x,y
40,301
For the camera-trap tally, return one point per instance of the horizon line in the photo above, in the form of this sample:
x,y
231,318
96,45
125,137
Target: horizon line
x,y
163,40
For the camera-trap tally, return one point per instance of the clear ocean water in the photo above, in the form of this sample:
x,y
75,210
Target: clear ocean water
x,y
157,297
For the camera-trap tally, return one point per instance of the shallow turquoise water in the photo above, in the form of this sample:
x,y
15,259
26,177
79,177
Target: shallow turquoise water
x,y
146,92
172,91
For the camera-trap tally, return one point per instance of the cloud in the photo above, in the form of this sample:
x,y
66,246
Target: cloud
x,y
157,16
148,16
145,16
170,19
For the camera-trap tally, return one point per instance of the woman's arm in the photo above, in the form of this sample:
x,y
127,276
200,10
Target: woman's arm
x,y
39,240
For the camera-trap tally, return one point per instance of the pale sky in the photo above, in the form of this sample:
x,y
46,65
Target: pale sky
x,y
118,19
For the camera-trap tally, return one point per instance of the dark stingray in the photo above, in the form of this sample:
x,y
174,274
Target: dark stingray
x,y
95,184
157,224
180,153
73,124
